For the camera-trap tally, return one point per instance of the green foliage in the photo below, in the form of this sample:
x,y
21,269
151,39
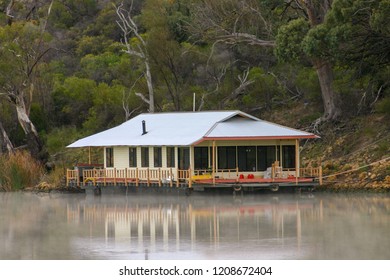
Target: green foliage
x,y
18,45
178,15
289,40
316,42
104,25
360,31
92,45
106,110
59,138
67,13
383,106
106,67
266,89
307,83
379,20
39,117
73,97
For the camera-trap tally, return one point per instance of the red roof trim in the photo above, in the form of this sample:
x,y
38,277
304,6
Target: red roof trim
x,y
256,138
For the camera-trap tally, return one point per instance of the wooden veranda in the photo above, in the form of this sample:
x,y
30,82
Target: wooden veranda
x,y
169,177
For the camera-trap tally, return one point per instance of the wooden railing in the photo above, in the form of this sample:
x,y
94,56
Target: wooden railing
x,y
72,177
171,177
307,172
160,176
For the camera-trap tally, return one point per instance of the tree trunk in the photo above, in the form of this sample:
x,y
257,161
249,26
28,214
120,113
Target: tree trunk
x,y
34,142
128,27
5,143
150,85
330,98
316,12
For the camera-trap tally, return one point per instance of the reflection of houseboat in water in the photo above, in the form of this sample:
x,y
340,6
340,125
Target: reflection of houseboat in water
x,y
160,227
197,151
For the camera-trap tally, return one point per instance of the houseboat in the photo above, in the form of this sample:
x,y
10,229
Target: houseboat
x,y
198,151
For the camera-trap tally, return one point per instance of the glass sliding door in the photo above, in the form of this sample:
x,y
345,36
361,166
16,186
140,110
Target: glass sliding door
x,y
170,156
184,158
288,156
246,158
266,156
201,158
227,157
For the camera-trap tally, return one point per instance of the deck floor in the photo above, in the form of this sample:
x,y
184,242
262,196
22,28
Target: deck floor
x,y
253,181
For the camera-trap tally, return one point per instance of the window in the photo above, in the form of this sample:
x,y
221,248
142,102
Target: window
x,y
227,157
145,156
184,158
201,155
247,158
157,156
132,157
170,156
109,157
288,156
266,156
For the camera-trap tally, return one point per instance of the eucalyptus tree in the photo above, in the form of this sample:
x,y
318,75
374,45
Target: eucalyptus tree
x,y
136,45
23,47
173,61
280,25
5,143
357,35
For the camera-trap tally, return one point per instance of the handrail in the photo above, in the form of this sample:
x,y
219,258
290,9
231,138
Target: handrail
x,y
172,176
126,175
72,175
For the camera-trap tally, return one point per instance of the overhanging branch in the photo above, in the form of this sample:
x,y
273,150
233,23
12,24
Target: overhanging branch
x,y
250,39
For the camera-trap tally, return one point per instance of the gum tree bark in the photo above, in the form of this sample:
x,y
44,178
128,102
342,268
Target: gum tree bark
x,y
330,98
5,143
316,11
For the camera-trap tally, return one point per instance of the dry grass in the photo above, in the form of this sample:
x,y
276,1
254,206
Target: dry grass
x,y
19,170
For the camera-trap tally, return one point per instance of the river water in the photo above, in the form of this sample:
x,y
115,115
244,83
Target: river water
x,y
168,226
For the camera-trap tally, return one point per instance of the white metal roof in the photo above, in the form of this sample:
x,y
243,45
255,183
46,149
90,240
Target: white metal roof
x,y
187,128
244,128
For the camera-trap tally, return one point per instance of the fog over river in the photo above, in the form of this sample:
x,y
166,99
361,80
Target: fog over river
x,y
174,226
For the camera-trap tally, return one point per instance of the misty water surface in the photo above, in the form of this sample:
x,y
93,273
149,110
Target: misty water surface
x,y
162,226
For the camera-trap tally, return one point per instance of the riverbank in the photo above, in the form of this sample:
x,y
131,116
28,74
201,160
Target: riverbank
x,y
354,152
354,155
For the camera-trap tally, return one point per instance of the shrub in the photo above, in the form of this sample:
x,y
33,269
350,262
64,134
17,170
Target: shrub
x,y
19,170
383,106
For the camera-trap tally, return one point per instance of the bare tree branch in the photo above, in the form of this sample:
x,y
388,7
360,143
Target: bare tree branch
x,y
8,12
129,28
250,39
125,100
244,83
140,95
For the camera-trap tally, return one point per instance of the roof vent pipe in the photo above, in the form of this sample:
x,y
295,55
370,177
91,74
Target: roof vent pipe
x,y
144,128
